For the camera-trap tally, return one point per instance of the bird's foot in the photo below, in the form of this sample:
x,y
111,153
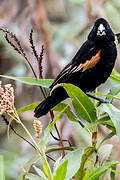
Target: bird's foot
x,y
98,99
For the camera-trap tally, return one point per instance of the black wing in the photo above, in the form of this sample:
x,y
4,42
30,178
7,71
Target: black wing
x,y
87,50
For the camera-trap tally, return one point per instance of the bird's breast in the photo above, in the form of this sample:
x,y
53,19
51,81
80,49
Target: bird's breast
x,y
98,70
108,56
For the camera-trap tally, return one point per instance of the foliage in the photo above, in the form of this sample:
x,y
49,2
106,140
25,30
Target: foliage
x,y
74,163
85,163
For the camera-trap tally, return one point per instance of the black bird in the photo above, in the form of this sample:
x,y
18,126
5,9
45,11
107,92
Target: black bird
x,y
90,67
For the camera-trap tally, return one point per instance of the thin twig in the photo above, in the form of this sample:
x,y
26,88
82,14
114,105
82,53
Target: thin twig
x,y
7,123
50,158
61,141
39,60
57,139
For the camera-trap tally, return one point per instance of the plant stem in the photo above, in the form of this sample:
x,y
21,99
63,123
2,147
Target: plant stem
x,y
61,141
46,166
42,154
80,172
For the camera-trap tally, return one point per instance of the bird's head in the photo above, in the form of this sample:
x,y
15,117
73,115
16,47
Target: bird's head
x,y
101,31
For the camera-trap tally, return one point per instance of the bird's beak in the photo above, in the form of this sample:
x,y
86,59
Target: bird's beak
x,y
101,30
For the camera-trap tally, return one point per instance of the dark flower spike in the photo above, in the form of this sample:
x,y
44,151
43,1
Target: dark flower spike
x,y
15,43
32,45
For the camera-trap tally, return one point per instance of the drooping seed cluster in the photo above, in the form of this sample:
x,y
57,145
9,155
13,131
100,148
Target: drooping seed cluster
x,y
6,99
38,128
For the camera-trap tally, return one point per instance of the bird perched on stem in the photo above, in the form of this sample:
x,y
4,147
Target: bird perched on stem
x,y
90,67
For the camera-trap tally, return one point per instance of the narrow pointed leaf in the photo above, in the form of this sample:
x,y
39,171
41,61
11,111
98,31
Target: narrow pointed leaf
x,y
108,137
27,108
40,173
56,165
31,176
44,140
82,104
88,152
107,95
59,149
116,172
61,171
100,170
104,153
27,166
74,160
115,77
114,114
31,81
68,111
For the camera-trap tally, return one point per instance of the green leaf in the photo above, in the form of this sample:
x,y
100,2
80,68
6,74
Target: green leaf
x,y
108,137
102,120
56,165
40,173
104,152
31,176
74,160
105,119
87,153
82,104
28,107
108,123
47,131
115,77
114,114
112,174
2,176
88,166
68,111
107,95
114,87
88,171
59,149
46,166
28,165
100,170
61,171
115,83
31,81
116,172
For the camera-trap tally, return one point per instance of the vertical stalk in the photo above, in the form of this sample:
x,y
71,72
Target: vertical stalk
x,y
61,141
46,166
80,172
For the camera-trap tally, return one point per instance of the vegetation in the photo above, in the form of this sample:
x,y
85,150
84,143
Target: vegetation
x,y
91,155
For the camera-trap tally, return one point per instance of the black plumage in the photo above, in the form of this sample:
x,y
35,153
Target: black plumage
x,y
90,67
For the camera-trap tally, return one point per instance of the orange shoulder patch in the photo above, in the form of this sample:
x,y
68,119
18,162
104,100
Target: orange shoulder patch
x,y
90,63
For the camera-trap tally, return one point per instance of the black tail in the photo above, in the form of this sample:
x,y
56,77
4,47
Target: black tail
x,y
43,107
57,96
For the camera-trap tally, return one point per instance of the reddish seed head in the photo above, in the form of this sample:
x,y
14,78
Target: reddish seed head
x,y
38,128
6,99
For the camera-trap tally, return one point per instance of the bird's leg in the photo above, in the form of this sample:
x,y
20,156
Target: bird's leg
x,y
96,98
